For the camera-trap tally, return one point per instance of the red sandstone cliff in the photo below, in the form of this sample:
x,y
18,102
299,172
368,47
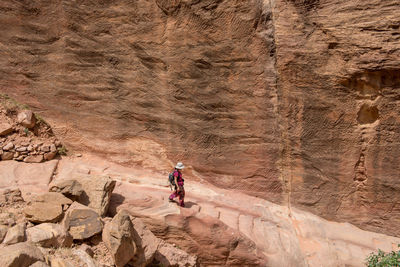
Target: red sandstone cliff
x,y
292,101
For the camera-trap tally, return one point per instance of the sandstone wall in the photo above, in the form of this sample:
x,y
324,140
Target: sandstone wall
x,y
293,101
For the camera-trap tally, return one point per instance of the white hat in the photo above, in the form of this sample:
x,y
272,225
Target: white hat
x,y
179,166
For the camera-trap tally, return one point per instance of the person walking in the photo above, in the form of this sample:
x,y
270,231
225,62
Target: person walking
x,y
179,189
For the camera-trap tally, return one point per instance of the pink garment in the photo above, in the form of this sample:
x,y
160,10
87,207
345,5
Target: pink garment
x,y
181,193
179,177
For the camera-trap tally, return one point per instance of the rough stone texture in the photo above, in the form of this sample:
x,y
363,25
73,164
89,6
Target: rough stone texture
x,y
82,222
3,232
7,218
11,195
26,118
7,155
118,237
147,243
69,188
29,178
15,234
34,159
53,198
169,255
5,128
58,262
97,192
85,258
39,212
49,235
20,255
39,264
293,101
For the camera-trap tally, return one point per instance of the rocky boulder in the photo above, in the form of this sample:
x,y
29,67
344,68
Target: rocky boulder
x,y
119,239
39,212
49,235
147,243
26,118
72,189
53,198
15,234
5,128
20,255
97,192
47,207
82,222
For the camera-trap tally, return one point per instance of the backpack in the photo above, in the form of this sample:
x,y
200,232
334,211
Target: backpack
x,y
171,179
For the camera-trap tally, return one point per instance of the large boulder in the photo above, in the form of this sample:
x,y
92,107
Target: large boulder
x,y
40,212
49,235
15,234
26,118
82,222
149,247
72,189
97,192
147,243
47,207
20,255
119,239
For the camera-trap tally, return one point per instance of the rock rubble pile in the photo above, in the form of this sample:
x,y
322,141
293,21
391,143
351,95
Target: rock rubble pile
x,y
25,138
68,226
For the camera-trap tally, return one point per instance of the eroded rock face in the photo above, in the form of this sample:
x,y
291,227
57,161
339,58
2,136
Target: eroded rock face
x,y
97,192
20,255
82,222
118,237
292,101
39,212
49,235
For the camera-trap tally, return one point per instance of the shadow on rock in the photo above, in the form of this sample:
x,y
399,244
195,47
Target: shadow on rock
x,y
115,201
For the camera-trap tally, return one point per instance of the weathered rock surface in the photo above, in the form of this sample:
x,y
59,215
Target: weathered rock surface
x,y
3,232
5,128
53,198
30,179
26,118
49,235
85,258
119,239
10,195
39,212
15,234
169,255
97,192
20,255
82,222
39,264
69,188
58,262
